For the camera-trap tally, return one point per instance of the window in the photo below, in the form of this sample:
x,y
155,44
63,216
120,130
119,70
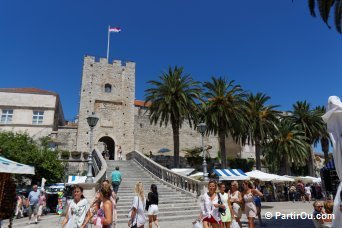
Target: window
x,y
38,117
108,88
6,116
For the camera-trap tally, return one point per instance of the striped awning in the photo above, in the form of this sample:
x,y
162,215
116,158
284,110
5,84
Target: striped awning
x,y
8,166
230,174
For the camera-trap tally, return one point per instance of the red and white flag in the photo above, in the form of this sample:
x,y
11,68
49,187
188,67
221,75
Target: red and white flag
x,y
115,29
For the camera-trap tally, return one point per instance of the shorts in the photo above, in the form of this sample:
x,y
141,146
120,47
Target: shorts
x,y
33,209
153,209
211,220
115,186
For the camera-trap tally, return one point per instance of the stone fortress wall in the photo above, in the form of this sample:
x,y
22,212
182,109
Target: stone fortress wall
x,y
122,120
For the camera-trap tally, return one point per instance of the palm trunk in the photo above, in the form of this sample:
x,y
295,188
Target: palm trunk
x,y
285,166
175,130
257,155
222,139
325,149
311,162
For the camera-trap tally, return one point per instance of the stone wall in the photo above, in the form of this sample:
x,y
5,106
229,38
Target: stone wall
x,y
66,139
153,137
115,109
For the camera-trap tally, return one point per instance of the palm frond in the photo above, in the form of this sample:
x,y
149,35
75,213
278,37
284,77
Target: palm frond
x,y
311,4
324,7
338,16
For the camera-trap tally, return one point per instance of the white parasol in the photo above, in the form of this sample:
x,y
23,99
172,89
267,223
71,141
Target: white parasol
x,y
8,166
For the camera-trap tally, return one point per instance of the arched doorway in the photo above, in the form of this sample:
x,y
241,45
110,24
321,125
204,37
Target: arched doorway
x,y
109,146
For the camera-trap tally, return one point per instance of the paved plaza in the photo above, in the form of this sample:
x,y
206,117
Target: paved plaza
x,y
268,207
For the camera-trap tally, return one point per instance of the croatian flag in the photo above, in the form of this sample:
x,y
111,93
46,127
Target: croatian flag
x,y
115,29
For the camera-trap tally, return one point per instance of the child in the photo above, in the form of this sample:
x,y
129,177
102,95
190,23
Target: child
x,y
98,214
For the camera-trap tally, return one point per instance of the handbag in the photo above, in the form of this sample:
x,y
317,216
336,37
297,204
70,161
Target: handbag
x,y
222,211
234,224
197,224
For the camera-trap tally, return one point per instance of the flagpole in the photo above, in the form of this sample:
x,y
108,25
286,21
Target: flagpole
x,y
108,44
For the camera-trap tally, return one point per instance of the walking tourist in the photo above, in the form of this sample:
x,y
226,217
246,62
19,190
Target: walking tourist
x,y
226,218
210,208
300,191
106,206
32,204
136,215
120,153
19,209
308,192
152,206
77,211
328,209
317,214
116,179
42,203
236,200
257,200
248,198
292,193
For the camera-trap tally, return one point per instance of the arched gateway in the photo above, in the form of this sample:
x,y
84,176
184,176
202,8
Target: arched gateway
x,y
110,146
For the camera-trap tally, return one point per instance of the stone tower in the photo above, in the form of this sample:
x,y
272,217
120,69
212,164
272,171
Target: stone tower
x,y
108,89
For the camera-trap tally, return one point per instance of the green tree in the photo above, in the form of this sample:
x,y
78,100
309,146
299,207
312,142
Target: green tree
x,y
288,147
323,135
261,122
324,8
173,99
310,122
23,149
224,108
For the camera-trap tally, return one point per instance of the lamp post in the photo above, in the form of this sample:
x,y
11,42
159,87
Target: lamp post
x,y
202,127
92,121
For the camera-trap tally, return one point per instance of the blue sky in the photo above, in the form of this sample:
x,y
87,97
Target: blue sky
x,y
274,47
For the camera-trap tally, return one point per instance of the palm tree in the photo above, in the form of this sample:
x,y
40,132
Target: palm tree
x,y
288,148
324,8
224,109
323,136
261,124
310,122
173,99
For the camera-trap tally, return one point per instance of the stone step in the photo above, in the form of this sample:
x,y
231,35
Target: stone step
x,y
168,218
163,215
165,207
161,201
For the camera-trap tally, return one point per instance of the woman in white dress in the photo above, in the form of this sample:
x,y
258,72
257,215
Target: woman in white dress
x,y
236,201
136,214
77,210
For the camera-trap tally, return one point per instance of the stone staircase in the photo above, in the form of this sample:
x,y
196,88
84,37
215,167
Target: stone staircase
x,y
173,205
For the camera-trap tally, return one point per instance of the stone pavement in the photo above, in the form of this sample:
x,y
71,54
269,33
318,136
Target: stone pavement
x,y
54,221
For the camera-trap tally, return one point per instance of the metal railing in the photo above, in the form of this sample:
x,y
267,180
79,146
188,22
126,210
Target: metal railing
x,y
181,182
99,167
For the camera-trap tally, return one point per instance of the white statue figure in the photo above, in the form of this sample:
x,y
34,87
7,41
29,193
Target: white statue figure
x,y
333,118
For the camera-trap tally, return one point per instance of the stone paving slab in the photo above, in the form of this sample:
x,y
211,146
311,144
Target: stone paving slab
x,y
54,221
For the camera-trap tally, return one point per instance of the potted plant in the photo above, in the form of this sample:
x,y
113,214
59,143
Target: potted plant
x,y
65,154
76,154
85,155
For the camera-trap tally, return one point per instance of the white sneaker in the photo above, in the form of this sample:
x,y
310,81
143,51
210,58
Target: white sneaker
x,y
36,221
29,222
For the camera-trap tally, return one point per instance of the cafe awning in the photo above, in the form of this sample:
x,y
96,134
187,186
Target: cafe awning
x,y
230,174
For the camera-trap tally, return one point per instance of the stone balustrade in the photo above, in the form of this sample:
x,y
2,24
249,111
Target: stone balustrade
x,y
183,183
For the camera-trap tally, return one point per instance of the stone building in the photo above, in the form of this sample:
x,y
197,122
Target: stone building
x,y
108,90
34,111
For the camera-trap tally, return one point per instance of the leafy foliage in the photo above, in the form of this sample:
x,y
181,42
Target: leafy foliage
x,y
224,108
239,163
261,122
324,8
21,148
173,100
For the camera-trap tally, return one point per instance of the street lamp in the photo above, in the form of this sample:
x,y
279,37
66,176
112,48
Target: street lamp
x,y
202,127
92,121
